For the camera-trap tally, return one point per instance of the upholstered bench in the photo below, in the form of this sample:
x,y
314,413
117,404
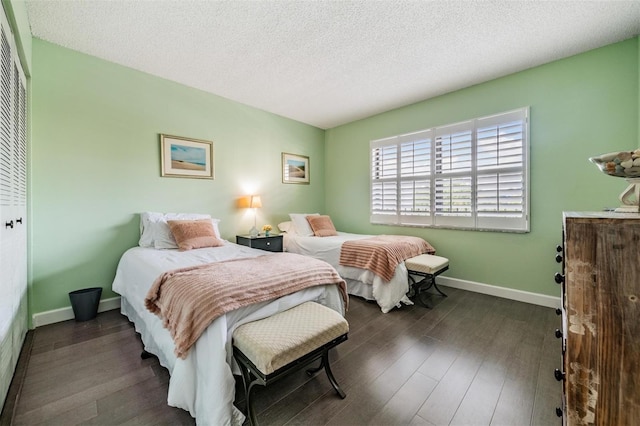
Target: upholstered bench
x,y
429,267
269,349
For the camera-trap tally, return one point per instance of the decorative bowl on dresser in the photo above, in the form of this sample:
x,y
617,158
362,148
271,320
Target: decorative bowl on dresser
x,y
624,164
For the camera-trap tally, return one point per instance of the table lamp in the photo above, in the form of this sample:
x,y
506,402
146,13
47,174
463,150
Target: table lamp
x,y
254,203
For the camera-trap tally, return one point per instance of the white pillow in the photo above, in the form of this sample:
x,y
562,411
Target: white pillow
x,y
300,223
155,232
146,233
285,226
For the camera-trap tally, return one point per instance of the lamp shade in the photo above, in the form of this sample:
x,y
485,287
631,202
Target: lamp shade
x,y
255,202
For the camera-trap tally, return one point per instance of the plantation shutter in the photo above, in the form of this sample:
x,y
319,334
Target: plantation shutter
x,y
501,172
415,177
384,184
469,175
453,175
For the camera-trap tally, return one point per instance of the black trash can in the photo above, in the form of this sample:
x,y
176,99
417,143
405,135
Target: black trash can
x,y
85,303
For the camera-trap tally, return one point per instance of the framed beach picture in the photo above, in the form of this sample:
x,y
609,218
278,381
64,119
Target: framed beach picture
x,y
295,168
185,157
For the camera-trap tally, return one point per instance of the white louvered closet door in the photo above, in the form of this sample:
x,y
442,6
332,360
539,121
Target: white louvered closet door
x,y
13,208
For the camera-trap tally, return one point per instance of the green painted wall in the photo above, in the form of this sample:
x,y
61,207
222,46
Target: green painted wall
x,y
580,107
96,165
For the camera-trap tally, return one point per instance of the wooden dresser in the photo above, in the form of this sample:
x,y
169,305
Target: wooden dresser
x,y
601,318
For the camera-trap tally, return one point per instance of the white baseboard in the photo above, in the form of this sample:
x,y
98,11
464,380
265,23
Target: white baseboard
x,y
506,293
64,314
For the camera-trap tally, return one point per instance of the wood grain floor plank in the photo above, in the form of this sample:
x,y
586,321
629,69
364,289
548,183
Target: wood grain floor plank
x,y
70,332
403,406
159,416
473,341
350,372
75,416
126,404
515,405
40,413
549,390
359,341
368,401
61,369
47,389
419,421
479,403
71,353
439,362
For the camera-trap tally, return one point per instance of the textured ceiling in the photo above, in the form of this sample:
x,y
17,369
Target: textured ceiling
x,y
327,63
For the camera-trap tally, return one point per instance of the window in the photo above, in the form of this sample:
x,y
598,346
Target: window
x,y
471,175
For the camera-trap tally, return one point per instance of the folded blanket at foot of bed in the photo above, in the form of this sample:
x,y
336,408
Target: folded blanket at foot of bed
x,y
189,299
383,253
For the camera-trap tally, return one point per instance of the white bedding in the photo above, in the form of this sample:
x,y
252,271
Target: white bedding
x,y
360,282
203,383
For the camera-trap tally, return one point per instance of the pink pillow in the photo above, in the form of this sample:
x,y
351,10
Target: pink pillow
x,y
322,226
193,234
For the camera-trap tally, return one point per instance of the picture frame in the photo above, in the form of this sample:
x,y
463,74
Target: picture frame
x,y
295,168
186,157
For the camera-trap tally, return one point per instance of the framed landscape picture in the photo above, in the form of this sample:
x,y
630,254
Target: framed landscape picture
x,y
295,168
185,157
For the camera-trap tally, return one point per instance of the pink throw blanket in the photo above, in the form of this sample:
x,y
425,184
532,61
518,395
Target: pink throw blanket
x,y
383,253
189,299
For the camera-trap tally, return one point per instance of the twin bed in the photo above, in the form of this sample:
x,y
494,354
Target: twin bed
x,y
360,282
202,379
299,237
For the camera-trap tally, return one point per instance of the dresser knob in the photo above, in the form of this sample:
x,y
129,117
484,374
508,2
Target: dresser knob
x,y
559,248
558,311
559,375
558,277
558,333
558,411
559,258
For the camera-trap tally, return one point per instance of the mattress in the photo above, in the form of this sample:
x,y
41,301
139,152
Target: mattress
x,y
203,382
360,282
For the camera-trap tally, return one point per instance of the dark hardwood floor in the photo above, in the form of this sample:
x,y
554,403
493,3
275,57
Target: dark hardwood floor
x,y
471,360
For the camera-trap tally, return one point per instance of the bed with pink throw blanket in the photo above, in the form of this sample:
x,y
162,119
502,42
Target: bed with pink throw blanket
x,y
201,377
189,299
372,266
383,253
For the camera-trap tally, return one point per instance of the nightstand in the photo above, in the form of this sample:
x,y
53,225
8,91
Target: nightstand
x,y
271,243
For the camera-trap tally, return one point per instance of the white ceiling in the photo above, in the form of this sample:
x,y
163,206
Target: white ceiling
x,y
328,63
